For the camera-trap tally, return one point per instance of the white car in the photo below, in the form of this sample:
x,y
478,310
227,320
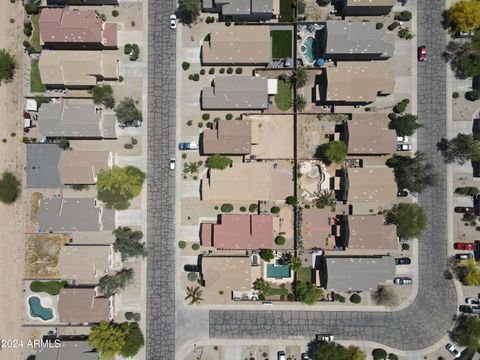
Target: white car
x,y
472,301
172,163
173,21
325,337
404,147
453,350
402,139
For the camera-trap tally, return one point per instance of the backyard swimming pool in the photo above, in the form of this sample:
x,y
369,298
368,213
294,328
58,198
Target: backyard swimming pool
x,y
308,47
278,271
37,310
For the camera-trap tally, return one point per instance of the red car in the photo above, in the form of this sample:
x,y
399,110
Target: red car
x,y
463,246
422,54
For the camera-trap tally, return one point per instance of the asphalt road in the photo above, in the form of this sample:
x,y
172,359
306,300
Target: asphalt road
x,y
432,313
160,334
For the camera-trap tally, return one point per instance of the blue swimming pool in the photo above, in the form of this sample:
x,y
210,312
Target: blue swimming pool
x,y
278,271
308,43
37,310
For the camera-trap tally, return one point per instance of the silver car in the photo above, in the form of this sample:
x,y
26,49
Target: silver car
x,y
402,281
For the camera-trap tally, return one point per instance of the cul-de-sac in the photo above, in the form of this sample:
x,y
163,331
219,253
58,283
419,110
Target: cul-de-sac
x,y
240,179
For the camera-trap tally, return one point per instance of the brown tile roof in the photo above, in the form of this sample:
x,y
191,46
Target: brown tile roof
x,y
369,232
79,305
84,264
245,232
81,167
372,185
317,229
226,274
368,134
230,137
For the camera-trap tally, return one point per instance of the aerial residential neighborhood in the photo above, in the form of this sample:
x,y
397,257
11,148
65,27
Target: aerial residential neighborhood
x,y
240,180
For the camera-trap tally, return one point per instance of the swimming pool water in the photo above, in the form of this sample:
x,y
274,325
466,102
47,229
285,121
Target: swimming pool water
x,y
278,271
308,43
37,310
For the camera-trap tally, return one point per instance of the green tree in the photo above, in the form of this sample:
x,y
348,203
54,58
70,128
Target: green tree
x,y
464,15
117,186
472,95
379,354
218,161
308,293
291,200
413,173
188,11
63,143
356,353
300,102
128,243
127,113
460,149
404,125
267,254
467,332
194,295
468,273
385,295
9,188
329,350
134,339
107,338
7,66
294,263
464,57
409,218
109,285
336,151
262,286
467,190
298,77
324,198
103,94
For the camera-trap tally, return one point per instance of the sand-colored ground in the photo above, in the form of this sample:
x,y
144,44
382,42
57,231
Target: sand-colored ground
x,y
11,159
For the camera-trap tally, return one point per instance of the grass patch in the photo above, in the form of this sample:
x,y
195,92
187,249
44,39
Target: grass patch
x,y
35,39
281,43
304,274
41,255
34,205
36,84
286,10
283,99
49,287
279,291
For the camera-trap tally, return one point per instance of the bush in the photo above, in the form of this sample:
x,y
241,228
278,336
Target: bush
x,y
27,31
228,22
404,16
243,208
200,124
9,188
128,146
292,200
275,210
7,66
229,70
222,70
401,106
129,315
472,95
379,25
211,71
392,356
229,116
185,66
455,95
127,49
196,77
127,113
202,71
405,246
280,240
226,208
379,354
340,298
252,208
195,246
137,317
467,190
355,298
218,161
210,125
238,71
206,116
31,9
115,13
192,277
393,25
182,244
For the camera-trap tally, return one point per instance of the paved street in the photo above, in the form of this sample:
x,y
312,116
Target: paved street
x,y
160,335
431,314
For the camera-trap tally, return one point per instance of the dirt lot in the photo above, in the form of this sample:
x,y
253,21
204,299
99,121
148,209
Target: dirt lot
x,y
41,255
278,127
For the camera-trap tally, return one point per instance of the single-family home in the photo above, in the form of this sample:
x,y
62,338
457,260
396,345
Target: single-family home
x,y
83,306
239,232
228,137
238,93
65,29
66,215
67,350
75,118
353,40
81,2
77,69
364,7
251,10
237,45
318,229
342,274
346,83
368,134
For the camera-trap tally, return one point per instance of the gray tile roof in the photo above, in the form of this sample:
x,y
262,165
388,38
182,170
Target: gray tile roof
x,y
42,162
68,350
247,7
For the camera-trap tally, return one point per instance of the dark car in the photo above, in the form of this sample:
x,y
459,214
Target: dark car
x,y
463,256
403,261
402,193
469,309
463,246
463,209
472,301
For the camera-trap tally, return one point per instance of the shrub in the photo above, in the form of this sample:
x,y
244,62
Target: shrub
x,y
275,210
340,298
211,71
226,208
218,161
115,13
27,30
467,190
222,70
243,208
238,70
379,354
182,244
210,125
355,298
404,16
228,22
405,246
128,146
229,70
392,356
200,124
401,106
127,113
192,277
393,25
195,246
129,315
31,9
280,240
229,116
196,77
206,116
455,95
472,95
9,188
185,66
127,49
202,71
292,200
252,208
379,25
190,77
134,141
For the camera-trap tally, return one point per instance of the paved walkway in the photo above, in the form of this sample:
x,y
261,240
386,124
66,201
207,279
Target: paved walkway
x,y
431,314
160,334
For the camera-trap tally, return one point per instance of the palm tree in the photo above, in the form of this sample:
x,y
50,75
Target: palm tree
x,y
262,286
298,77
194,293
324,198
191,167
300,102
294,263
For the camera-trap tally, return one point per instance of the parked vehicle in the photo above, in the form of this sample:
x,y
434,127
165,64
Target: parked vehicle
x,y
404,147
402,281
453,350
403,261
464,209
422,53
463,246
188,146
463,256
172,163
402,139
469,309
281,355
472,301
173,21
305,356
325,337
402,193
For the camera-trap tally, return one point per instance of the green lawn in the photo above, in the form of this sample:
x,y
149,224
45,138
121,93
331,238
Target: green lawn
x,y
286,10
283,99
50,287
36,84
279,291
281,44
35,39
304,274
